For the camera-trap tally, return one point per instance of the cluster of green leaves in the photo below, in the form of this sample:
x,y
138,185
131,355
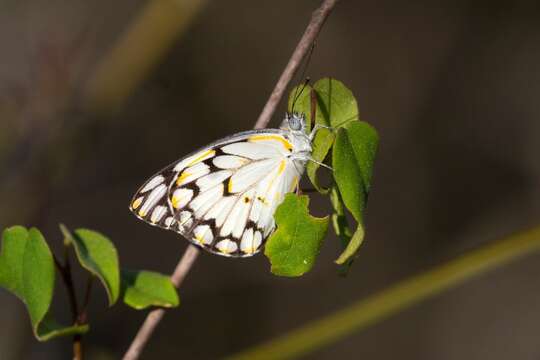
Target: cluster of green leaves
x,y
27,269
346,144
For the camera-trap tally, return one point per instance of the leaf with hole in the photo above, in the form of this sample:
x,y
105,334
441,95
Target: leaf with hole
x,y
294,246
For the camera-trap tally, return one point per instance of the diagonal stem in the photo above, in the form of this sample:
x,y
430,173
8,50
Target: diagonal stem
x,y
66,275
317,21
190,255
155,316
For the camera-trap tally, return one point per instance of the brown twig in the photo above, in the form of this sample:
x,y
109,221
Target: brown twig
x,y
65,272
317,20
81,318
190,255
154,317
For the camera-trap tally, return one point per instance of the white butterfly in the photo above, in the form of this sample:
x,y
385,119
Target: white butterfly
x,y
223,196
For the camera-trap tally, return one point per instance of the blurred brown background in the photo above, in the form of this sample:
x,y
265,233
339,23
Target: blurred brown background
x,y
451,86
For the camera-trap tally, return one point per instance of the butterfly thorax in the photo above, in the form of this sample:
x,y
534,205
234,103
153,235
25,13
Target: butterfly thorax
x,y
301,144
294,126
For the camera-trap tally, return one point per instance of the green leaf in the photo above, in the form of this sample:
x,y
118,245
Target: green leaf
x,y
294,246
27,270
353,155
324,139
97,254
337,105
352,160
142,289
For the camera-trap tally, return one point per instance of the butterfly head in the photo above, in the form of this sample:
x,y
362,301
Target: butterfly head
x,y
294,122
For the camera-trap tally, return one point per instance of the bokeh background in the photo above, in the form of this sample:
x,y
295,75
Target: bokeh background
x,y
451,86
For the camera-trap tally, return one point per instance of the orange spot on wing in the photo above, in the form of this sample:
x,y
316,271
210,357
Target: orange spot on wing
x,y
250,250
287,145
199,239
176,201
281,167
280,171
136,203
182,177
142,213
205,155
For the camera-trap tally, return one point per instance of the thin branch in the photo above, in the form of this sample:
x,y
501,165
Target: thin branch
x,y
154,317
81,318
190,255
65,273
77,347
312,30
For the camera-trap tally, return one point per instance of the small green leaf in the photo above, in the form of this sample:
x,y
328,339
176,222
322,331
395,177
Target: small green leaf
x,y
97,254
294,246
142,289
27,270
324,139
336,102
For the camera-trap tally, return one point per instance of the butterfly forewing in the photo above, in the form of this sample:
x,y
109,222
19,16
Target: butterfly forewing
x,y
223,197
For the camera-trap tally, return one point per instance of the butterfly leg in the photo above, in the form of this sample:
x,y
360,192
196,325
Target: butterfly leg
x,y
321,164
317,127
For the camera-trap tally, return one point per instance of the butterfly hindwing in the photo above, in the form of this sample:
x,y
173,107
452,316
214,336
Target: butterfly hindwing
x,y
150,201
223,197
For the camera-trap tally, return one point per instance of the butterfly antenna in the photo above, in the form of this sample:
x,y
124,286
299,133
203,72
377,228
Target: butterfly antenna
x,y
297,93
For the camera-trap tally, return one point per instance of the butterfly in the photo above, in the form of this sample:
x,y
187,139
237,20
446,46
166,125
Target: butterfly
x,y
223,197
